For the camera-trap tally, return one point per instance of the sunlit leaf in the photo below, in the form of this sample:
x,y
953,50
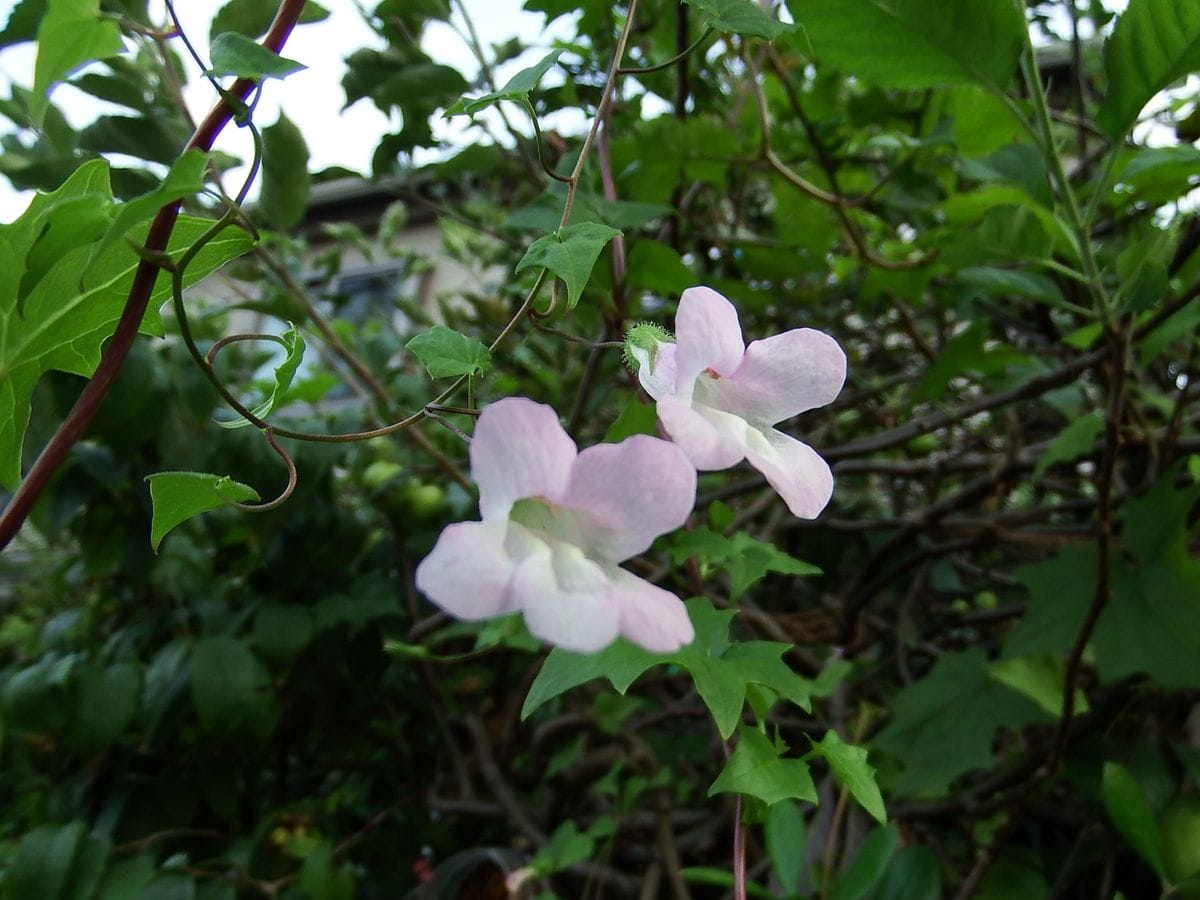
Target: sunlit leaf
x,y
757,769
178,496
516,88
71,33
235,54
293,345
570,253
445,353
1155,42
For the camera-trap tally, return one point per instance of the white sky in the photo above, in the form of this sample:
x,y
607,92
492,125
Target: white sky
x,y
312,98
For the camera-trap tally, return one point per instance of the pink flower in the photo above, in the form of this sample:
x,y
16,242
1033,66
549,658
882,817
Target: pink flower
x,y
718,399
556,522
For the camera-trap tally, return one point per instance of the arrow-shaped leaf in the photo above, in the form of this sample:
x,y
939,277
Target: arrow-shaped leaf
x,y
570,253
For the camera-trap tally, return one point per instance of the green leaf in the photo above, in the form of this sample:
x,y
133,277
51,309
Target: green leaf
x,y
185,179
61,326
252,18
570,253
281,632
636,418
739,17
105,704
516,88
899,44
756,769
1041,678
868,865
850,767
786,838
285,178
1009,282
446,353
745,558
1154,43
235,54
943,725
177,496
1078,438
23,22
293,344
70,34
321,878
913,874
565,847
229,687
1130,812
56,863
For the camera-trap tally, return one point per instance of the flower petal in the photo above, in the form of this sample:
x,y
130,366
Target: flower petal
x,y
519,450
710,438
567,599
783,376
707,336
794,469
630,493
660,376
468,571
652,618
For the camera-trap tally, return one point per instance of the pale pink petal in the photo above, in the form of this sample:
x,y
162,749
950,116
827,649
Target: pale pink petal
x,y
519,450
658,376
652,618
709,438
630,493
782,376
468,571
566,599
794,469
707,336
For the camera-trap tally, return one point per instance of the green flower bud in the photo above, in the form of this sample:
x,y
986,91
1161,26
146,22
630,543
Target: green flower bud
x,y
641,345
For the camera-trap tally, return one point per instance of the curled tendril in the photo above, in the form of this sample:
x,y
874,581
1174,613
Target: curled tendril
x,y
269,434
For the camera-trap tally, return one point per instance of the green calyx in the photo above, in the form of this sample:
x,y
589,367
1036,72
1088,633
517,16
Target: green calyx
x,y
641,344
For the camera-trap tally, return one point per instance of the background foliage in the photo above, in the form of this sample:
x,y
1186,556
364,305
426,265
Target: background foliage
x,y
1007,607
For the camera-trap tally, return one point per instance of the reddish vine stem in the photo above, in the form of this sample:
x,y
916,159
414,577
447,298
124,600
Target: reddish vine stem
x,y
119,345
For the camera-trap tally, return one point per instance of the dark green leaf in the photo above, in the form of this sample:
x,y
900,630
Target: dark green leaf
x,y
516,88
850,767
445,353
635,418
570,253
757,769
912,875
1131,814
868,865
943,725
1154,43
236,54
252,18
178,496
229,687
23,22
739,17
105,705
41,867
565,847
70,34
281,632
285,184
323,879
897,43
786,838
1076,439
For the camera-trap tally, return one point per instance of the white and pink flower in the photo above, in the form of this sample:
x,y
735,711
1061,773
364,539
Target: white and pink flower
x,y
719,399
556,522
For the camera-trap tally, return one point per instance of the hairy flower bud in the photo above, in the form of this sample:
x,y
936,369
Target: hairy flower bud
x,y
642,342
